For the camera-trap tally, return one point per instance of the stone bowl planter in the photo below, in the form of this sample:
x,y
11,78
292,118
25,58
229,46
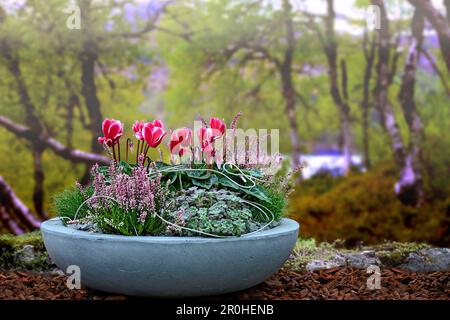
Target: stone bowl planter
x,y
170,266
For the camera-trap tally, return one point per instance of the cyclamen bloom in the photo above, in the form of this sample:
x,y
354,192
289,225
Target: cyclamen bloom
x,y
112,131
180,138
208,135
218,126
138,125
153,133
158,123
137,129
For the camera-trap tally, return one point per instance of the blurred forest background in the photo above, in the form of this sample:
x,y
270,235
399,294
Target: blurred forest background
x,y
313,69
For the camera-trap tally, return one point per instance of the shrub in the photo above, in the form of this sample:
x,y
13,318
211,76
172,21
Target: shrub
x,y
364,208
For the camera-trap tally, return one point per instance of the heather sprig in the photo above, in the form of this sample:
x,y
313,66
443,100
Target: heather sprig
x,y
126,203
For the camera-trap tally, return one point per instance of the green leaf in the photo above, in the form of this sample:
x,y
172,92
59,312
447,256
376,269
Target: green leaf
x,y
206,184
227,183
258,192
200,175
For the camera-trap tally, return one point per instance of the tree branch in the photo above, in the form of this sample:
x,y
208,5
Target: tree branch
x,y
8,222
436,69
10,200
73,155
439,23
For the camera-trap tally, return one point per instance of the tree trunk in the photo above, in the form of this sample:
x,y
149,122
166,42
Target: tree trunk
x,y
369,55
73,100
88,57
38,192
32,120
410,185
89,92
439,23
380,93
341,102
287,84
447,9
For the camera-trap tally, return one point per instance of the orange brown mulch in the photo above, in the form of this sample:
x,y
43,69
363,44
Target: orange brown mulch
x,y
337,283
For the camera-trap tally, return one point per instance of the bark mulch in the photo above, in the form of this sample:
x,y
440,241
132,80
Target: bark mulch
x,y
337,283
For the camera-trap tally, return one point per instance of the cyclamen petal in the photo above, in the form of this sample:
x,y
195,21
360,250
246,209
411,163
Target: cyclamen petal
x,y
158,123
217,124
105,126
115,130
137,128
180,138
112,131
153,135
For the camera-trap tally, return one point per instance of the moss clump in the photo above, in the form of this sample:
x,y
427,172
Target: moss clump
x,y
392,254
306,250
26,251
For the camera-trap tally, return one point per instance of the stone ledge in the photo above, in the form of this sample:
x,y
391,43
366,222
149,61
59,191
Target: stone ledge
x,y
408,256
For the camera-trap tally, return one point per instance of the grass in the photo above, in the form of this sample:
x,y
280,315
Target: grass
x,y
67,202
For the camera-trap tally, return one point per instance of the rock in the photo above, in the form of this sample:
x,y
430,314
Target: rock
x,y
362,259
428,260
321,264
25,256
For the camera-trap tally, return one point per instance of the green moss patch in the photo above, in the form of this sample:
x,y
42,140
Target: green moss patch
x,y
26,252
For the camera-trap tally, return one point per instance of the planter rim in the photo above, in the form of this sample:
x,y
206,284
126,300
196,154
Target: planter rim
x,y
55,226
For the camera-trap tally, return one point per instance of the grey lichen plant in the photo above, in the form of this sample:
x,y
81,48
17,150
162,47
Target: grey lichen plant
x,y
220,212
173,199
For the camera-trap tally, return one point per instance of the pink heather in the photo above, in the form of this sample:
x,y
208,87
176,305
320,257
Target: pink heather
x,y
135,192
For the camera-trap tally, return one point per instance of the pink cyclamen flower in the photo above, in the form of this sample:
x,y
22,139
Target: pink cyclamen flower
x,y
205,136
180,138
152,134
218,127
137,129
208,135
158,123
112,131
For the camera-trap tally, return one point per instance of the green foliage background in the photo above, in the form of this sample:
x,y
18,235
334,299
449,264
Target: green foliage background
x,y
202,80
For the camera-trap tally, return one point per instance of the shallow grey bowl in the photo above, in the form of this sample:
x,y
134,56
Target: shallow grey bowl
x,y
170,266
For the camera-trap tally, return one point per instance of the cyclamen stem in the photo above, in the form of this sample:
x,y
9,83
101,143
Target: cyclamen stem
x,y
128,146
142,148
137,151
146,150
114,152
118,149
181,182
